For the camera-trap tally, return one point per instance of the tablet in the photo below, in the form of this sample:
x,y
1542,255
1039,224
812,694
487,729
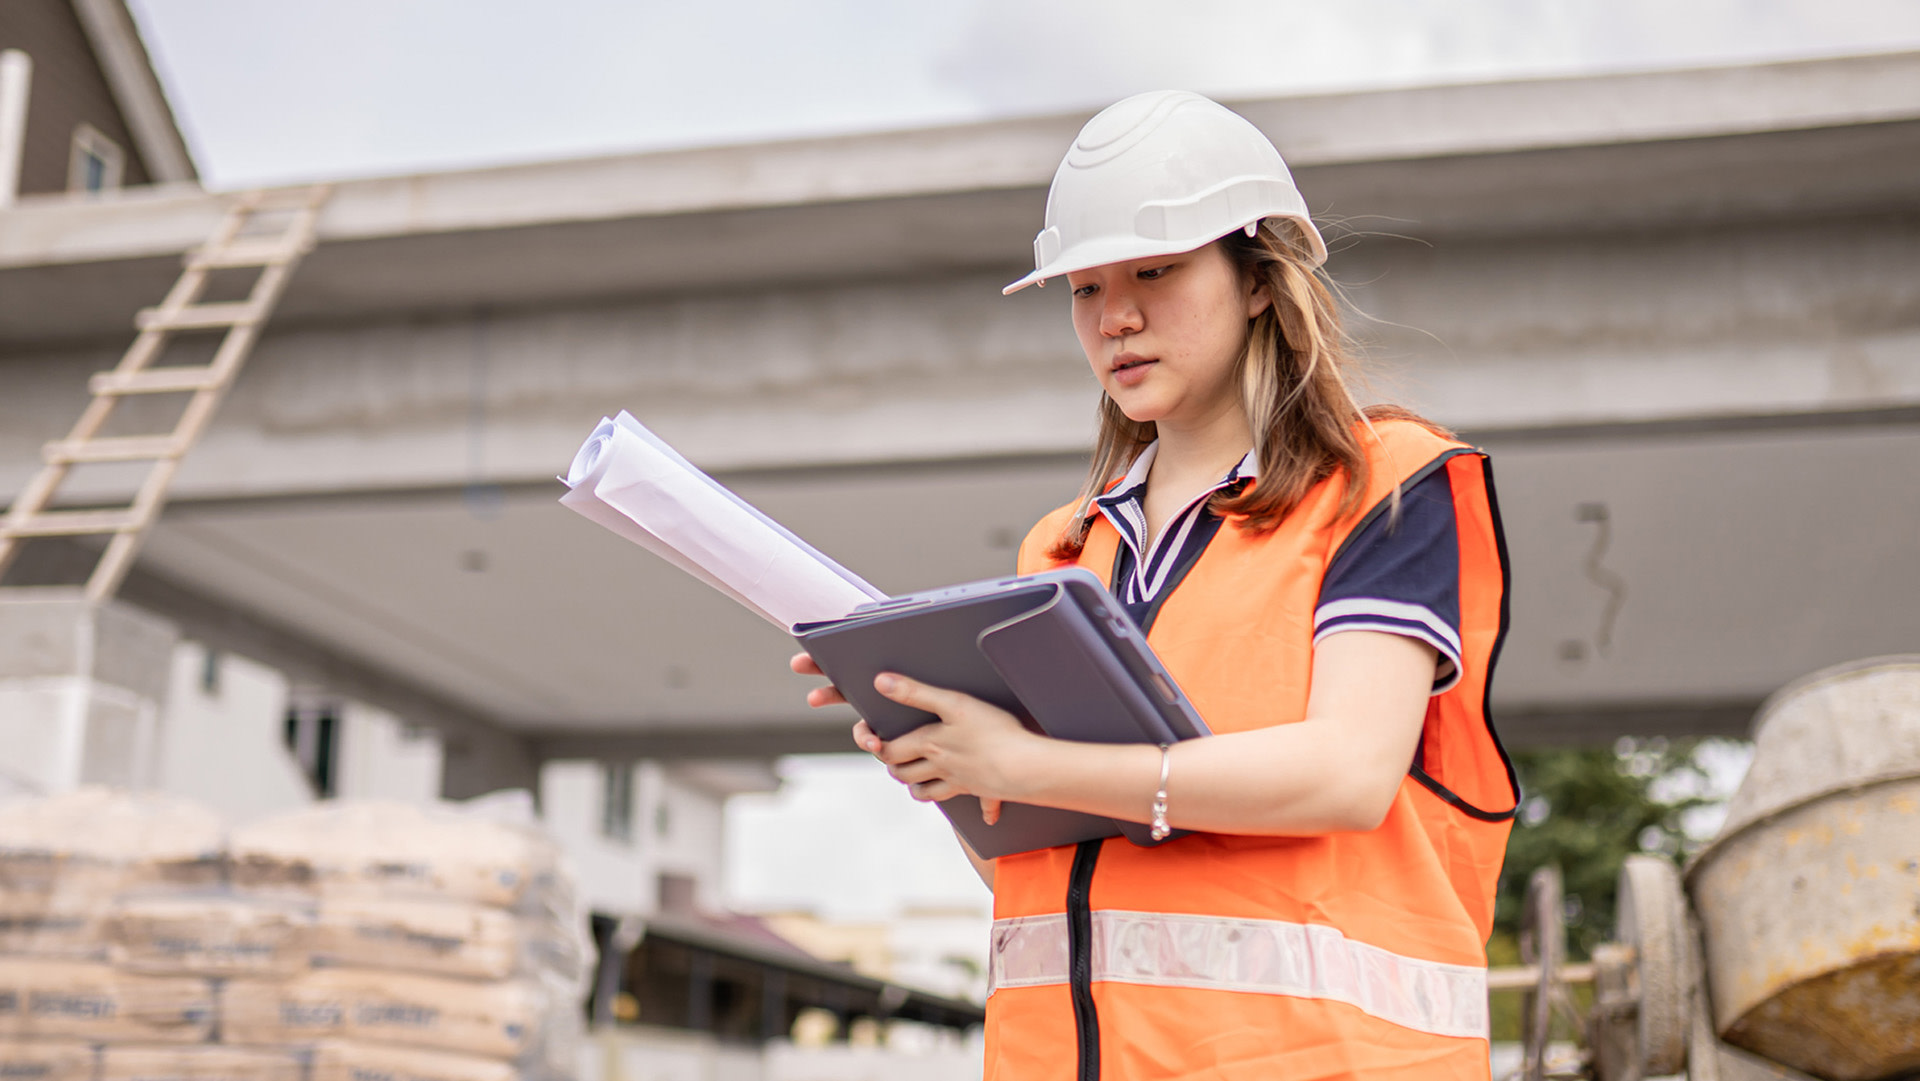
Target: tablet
x,y
1054,649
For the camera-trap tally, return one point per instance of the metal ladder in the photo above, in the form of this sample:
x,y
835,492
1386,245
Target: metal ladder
x,y
230,247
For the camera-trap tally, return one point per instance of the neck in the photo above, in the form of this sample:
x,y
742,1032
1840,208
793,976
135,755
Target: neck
x,y
1208,449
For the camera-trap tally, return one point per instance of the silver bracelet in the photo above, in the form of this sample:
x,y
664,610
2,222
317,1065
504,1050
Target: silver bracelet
x,y
1160,827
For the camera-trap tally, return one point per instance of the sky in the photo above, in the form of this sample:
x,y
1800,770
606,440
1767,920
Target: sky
x,y
282,91
279,91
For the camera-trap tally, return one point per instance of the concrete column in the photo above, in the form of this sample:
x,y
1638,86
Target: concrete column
x,y
81,689
16,79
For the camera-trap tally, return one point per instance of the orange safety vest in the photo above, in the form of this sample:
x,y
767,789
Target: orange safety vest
x,y
1348,955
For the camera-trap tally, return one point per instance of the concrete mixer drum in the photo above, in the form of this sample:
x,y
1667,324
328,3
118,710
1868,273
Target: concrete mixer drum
x,y
1809,899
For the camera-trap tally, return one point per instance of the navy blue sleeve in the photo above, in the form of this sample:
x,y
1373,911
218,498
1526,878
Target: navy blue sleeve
x,y
1402,577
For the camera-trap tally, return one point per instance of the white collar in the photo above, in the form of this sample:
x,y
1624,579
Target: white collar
x,y
1135,480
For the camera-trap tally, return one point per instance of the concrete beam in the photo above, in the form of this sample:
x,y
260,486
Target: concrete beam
x,y
653,740
1788,316
1824,420
1523,727
1520,727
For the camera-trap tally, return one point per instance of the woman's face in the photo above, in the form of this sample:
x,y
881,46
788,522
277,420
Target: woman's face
x,y
1163,334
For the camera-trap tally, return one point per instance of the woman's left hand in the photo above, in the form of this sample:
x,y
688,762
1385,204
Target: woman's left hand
x,y
977,749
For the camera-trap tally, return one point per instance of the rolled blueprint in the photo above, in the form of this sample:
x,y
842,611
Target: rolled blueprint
x,y
630,481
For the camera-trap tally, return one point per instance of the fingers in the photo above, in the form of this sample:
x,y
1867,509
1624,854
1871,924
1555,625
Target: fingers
x,y
865,738
989,810
932,791
912,692
819,697
914,771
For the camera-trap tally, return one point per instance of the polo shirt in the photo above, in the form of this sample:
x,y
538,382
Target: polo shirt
x,y
1398,573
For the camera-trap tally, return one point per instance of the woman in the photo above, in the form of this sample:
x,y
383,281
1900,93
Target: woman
x,y
1327,585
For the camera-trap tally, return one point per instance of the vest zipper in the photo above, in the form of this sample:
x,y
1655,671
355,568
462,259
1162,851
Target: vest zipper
x,y
1086,1020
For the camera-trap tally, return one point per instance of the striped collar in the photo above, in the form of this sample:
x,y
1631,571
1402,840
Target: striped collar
x,y
1123,506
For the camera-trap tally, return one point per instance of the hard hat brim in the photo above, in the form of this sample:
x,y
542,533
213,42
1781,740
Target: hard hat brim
x,y
1090,254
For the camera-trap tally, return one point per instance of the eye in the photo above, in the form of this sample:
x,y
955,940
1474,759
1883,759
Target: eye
x,y
1151,273
1084,291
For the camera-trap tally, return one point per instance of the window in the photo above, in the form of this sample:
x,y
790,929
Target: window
x,y
312,734
96,162
209,671
616,801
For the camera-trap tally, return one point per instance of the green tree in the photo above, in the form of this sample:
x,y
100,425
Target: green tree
x,y
1588,809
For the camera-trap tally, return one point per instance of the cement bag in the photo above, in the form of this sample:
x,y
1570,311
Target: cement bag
x,y
205,1062
212,934
500,1020
397,850
52,926
94,843
97,1002
442,938
349,1060
46,1060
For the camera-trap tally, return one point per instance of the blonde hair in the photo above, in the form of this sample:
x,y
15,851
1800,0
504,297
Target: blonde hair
x,y
1306,423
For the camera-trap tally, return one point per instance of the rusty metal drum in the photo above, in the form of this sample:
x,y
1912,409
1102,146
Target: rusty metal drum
x,y
1809,899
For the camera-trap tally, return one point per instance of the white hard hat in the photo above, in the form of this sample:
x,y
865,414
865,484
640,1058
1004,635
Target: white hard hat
x,y
1162,173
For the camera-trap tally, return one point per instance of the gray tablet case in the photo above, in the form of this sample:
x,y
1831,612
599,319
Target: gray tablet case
x,y
1054,649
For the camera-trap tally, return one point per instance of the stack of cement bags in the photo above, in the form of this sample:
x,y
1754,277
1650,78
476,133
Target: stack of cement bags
x,y
345,942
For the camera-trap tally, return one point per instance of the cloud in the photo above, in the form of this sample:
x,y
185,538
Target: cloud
x,y
1017,57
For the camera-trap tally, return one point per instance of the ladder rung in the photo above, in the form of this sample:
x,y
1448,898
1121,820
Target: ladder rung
x,y
288,198
269,251
154,381
136,448
199,316
71,523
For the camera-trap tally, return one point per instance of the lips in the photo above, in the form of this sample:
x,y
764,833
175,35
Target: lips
x,y
1131,368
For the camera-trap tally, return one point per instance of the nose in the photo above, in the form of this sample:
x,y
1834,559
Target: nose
x,y
1119,315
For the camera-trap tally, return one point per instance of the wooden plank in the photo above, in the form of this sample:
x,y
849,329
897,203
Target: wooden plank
x,y
126,448
70,523
155,380
302,198
1527,977
266,251
227,248
201,316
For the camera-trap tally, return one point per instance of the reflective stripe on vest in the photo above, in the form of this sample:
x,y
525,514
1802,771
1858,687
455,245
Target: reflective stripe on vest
x,y
1271,957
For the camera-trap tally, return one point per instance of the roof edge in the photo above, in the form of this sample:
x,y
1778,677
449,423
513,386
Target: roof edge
x,y
136,88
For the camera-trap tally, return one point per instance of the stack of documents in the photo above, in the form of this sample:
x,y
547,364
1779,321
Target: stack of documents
x,y
629,480
1054,649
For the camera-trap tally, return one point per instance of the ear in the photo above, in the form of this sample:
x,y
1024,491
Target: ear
x,y
1258,299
